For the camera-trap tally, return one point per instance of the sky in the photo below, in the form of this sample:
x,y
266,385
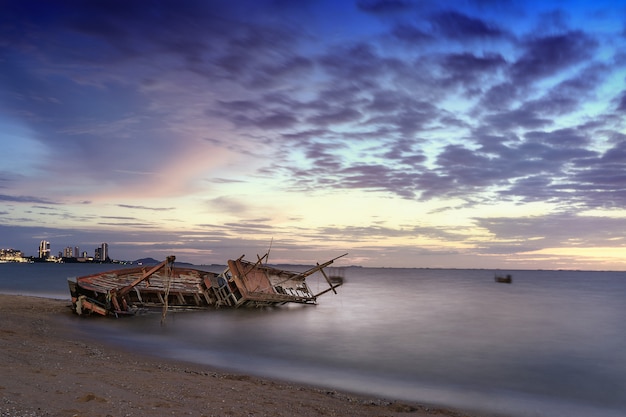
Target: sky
x,y
429,134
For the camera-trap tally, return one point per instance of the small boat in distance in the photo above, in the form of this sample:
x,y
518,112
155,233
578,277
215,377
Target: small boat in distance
x,y
241,284
505,279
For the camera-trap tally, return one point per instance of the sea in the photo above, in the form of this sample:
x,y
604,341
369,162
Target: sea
x,y
550,344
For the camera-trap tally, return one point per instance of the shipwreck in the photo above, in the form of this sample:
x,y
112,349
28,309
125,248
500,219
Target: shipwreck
x,y
167,286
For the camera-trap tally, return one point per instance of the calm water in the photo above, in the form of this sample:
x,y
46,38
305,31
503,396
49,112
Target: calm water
x,y
553,343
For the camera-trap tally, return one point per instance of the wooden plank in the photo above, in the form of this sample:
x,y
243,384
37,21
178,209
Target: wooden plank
x,y
327,279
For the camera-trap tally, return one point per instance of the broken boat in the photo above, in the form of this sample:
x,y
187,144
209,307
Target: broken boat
x,y
242,284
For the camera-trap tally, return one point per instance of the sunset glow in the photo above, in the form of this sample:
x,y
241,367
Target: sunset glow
x,y
407,133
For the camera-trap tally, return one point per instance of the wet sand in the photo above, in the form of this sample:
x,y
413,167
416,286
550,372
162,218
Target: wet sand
x,y
49,369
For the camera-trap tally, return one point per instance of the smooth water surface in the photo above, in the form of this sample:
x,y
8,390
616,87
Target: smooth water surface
x,y
552,343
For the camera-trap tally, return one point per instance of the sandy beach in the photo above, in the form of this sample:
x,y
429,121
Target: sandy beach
x,y
49,370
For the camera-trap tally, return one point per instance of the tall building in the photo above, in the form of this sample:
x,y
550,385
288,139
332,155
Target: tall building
x,y
68,252
44,249
104,251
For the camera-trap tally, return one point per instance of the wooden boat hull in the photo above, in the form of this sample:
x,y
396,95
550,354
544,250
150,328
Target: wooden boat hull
x,y
99,293
165,286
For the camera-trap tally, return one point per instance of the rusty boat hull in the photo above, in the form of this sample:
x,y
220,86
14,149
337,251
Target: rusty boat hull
x,y
166,286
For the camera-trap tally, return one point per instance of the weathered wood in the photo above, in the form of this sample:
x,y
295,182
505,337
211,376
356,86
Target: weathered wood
x,y
241,284
327,279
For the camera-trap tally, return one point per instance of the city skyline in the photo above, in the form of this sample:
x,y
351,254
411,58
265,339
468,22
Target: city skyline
x,y
100,252
469,134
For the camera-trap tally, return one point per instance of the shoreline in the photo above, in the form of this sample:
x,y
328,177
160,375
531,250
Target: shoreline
x,y
49,369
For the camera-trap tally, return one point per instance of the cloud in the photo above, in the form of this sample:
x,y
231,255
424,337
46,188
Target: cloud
x,y
384,6
622,102
469,70
568,139
26,199
455,25
359,63
229,205
145,208
554,230
546,56
526,118
410,34
335,116
394,98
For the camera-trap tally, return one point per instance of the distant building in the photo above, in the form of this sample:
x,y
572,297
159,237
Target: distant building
x,y
12,255
68,252
44,249
101,254
104,251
